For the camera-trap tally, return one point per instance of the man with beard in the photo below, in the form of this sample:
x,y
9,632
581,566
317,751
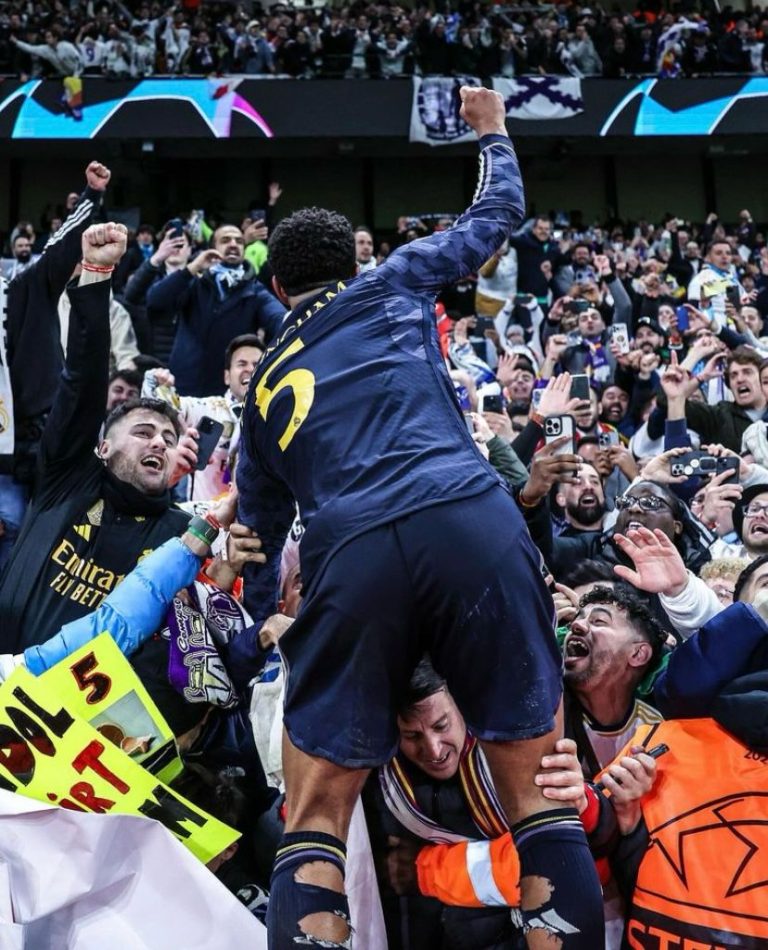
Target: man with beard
x,y
93,516
583,502
614,404
649,335
610,647
218,297
21,258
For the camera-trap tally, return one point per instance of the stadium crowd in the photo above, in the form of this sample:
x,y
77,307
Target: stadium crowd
x,y
136,38
614,376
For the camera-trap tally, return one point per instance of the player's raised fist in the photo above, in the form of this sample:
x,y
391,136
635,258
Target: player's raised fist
x,y
483,109
104,244
97,176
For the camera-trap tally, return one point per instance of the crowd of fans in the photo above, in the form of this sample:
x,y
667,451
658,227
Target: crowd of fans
x,y
616,376
137,38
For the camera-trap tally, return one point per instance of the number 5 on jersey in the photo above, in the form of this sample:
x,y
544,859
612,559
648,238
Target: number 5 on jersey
x,y
301,382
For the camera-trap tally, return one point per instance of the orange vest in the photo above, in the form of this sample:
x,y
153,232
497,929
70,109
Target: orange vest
x,y
704,877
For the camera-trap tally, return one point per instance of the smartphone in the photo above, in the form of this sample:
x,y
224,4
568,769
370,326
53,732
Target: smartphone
x,y
574,338
210,432
176,228
557,426
620,335
655,753
469,422
683,318
536,398
580,387
606,439
257,214
694,463
729,463
491,402
482,324
733,296
577,306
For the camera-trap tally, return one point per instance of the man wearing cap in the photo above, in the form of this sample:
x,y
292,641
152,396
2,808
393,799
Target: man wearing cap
x,y
649,335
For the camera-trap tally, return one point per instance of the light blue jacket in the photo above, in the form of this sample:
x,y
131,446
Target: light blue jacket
x,y
131,613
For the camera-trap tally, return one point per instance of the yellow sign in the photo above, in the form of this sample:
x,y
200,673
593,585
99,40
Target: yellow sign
x,y
715,287
98,684
51,755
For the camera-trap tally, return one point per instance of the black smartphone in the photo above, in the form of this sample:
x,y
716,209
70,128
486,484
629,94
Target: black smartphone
x,y
257,214
577,306
655,753
492,403
693,463
210,432
580,387
176,228
733,296
482,324
732,464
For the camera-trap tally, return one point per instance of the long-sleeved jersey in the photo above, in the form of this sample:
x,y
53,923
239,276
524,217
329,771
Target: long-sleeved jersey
x,y
352,412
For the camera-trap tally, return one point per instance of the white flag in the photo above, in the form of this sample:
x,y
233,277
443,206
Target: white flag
x,y
435,117
541,97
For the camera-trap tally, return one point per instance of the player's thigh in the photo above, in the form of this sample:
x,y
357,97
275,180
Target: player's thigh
x,y
491,617
350,654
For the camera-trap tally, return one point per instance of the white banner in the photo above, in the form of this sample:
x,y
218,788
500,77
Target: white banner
x,y
435,118
73,881
541,97
6,394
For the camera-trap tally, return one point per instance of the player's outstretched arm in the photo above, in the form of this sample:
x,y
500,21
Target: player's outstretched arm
x,y
497,209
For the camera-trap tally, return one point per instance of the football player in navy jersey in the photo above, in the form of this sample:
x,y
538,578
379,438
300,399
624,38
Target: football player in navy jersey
x,y
412,544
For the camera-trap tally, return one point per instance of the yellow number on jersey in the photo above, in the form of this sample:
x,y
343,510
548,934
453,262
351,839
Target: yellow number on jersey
x,y
301,382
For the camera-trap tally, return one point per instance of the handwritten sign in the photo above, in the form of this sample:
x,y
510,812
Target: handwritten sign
x,y
98,684
49,753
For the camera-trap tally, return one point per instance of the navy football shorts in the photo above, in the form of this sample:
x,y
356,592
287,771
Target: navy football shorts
x,y
460,580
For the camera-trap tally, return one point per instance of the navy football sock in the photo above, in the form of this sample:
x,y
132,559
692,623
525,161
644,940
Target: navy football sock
x,y
562,895
291,901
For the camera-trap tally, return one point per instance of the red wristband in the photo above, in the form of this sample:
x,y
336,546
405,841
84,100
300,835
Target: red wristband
x,y
97,268
213,521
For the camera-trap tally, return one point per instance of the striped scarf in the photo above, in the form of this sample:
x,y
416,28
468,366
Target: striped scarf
x,y
476,784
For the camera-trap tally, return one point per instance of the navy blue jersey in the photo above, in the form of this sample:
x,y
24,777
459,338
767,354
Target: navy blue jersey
x,y
352,412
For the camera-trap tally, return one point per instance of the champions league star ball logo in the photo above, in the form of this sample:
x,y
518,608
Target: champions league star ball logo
x,y
438,106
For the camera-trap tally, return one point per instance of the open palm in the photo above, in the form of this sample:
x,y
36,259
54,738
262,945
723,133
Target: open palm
x,y
659,569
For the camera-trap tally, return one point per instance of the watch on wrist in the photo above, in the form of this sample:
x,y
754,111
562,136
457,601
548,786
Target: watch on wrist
x,y
203,529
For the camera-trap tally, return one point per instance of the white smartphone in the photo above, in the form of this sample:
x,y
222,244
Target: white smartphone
x,y
557,426
620,336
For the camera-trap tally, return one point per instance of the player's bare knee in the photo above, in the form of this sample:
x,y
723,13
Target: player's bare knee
x,y
329,928
325,929
321,874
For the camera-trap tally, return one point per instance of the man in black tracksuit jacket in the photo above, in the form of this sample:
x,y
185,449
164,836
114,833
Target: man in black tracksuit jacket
x,y
85,527
34,349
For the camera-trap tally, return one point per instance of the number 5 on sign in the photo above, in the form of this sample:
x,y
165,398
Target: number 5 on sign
x,y
301,382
